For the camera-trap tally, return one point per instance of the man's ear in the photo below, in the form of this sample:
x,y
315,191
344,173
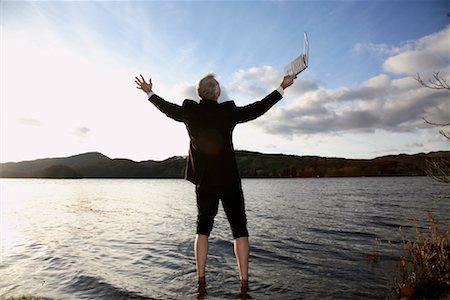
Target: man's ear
x,y
218,92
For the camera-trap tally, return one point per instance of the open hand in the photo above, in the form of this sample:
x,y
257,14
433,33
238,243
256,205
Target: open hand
x,y
142,85
288,80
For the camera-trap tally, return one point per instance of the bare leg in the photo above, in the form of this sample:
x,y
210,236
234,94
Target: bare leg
x,y
201,254
241,250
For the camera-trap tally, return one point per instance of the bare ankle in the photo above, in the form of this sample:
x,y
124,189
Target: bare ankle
x,y
244,282
243,294
201,280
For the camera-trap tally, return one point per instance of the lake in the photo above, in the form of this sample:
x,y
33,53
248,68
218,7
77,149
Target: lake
x,y
133,239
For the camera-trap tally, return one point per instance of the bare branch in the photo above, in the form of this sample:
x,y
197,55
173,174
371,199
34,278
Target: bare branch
x,y
442,132
445,134
435,124
437,83
437,168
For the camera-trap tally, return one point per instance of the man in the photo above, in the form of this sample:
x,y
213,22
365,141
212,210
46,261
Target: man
x,y
211,164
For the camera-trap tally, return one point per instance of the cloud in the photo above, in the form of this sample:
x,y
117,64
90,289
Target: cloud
x,y
414,145
392,106
255,82
427,54
378,49
82,132
413,62
258,81
29,122
380,103
187,92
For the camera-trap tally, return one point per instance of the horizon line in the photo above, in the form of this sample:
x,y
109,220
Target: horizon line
x,y
236,150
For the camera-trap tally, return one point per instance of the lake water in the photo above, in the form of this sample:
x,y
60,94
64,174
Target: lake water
x,y
133,239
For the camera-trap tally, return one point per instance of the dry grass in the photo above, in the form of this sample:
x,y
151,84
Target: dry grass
x,y
425,270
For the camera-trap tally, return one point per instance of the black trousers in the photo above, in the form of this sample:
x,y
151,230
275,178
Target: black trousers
x,y
233,204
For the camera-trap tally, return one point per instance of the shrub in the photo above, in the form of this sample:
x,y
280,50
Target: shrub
x,y
425,269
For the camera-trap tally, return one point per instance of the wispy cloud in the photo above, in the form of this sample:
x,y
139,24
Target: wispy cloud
x,y
381,50
29,122
428,54
82,132
255,82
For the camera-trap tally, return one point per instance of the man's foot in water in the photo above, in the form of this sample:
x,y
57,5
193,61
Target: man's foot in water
x,y
243,294
201,290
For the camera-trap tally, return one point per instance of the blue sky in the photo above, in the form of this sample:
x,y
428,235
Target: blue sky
x,y
68,68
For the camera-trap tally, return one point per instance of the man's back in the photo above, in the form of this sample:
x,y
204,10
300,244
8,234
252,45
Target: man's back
x,y
211,153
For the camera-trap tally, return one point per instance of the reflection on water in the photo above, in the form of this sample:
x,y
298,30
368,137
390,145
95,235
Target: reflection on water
x,y
133,239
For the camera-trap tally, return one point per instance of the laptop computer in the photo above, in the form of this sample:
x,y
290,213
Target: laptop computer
x,y
299,64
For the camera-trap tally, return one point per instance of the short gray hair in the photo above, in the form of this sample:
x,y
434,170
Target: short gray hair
x,y
208,87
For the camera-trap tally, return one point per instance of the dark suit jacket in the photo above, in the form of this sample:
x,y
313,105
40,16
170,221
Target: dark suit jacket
x,y
210,125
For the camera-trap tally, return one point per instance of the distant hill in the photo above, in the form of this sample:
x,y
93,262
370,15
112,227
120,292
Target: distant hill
x,y
251,165
278,165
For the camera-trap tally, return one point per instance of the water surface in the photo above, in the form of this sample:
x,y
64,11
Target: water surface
x,y
133,239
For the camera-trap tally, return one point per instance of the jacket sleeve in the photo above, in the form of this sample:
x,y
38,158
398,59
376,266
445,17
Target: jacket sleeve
x,y
258,108
171,110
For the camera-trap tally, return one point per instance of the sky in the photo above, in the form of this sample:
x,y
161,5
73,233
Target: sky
x,y
68,67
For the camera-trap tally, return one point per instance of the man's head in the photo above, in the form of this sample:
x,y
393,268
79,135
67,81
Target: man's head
x,y
208,87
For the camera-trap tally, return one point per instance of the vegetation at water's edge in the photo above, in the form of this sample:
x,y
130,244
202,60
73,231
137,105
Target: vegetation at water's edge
x,y
425,269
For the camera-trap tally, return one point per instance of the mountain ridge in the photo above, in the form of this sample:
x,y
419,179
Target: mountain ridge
x,y
251,165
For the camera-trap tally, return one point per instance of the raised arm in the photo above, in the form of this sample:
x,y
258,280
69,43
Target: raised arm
x,y
171,110
258,108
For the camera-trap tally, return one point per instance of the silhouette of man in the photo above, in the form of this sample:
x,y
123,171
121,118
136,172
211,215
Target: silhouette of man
x,y
211,164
